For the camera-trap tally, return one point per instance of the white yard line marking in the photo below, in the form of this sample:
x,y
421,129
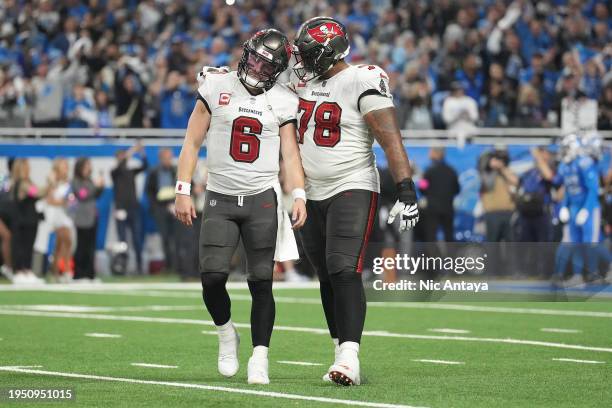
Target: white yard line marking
x,y
245,391
450,331
71,287
147,365
440,362
571,360
401,305
211,332
313,330
86,309
302,363
104,335
7,368
554,330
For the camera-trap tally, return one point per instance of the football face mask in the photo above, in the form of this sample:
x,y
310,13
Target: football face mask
x,y
258,72
305,66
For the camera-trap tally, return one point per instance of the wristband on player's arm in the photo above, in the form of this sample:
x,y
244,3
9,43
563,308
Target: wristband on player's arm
x,y
298,193
406,191
182,188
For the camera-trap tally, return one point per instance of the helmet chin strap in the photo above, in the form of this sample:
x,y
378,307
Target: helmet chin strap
x,y
250,82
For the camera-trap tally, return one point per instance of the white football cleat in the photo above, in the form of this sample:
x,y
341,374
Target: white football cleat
x,y
345,370
229,340
257,371
326,377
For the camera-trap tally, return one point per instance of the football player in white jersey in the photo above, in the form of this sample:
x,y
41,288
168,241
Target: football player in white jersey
x,y
342,109
249,121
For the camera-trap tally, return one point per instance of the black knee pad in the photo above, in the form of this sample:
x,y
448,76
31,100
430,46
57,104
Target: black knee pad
x,y
212,280
214,262
261,272
338,263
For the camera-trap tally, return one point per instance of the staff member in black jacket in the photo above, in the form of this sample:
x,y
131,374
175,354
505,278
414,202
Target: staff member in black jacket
x,y
127,207
439,187
160,193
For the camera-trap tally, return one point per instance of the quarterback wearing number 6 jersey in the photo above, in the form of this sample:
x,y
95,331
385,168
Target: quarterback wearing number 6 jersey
x,y
249,121
342,109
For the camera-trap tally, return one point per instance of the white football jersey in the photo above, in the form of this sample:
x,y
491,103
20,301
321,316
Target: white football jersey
x,y
335,141
243,143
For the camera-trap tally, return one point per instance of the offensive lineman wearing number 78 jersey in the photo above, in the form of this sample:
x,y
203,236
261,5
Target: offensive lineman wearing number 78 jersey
x,y
342,109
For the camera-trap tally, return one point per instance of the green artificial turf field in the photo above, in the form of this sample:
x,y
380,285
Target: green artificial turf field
x,y
417,354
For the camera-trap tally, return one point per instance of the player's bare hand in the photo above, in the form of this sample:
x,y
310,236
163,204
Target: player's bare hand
x,y
184,210
298,215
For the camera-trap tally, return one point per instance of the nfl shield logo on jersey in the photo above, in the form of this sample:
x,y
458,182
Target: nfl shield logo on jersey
x,y
212,203
224,98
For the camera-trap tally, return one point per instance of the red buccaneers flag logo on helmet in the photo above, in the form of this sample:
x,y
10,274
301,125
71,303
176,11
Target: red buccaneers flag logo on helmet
x,y
325,32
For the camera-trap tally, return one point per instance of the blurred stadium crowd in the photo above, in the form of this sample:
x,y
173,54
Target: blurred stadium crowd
x,y
114,63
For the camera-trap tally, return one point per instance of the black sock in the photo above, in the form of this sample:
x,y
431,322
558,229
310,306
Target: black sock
x,y
215,297
327,300
349,305
263,312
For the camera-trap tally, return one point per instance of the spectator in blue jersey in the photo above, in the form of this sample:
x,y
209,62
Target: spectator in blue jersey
x,y
471,77
541,78
106,114
591,82
176,102
363,17
579,176
601,14
535,37
74,105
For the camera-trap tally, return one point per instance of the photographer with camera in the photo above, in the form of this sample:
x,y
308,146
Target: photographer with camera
x,y
497,182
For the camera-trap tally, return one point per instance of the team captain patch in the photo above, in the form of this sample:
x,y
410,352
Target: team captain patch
x,y
224,98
